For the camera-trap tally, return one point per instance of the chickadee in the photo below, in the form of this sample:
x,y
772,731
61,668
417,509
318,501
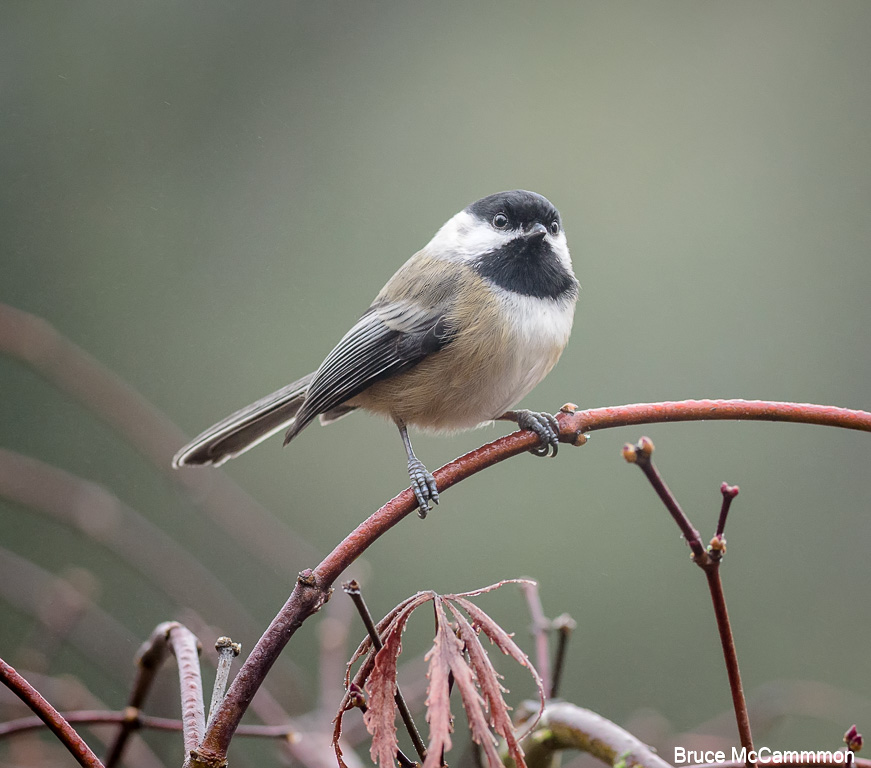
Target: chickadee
x,y
462,331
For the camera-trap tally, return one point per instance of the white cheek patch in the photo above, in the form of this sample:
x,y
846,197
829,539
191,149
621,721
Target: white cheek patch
x,y
560,247
466,238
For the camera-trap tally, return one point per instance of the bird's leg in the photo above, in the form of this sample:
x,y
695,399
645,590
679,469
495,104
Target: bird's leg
x,y
422,482
543,424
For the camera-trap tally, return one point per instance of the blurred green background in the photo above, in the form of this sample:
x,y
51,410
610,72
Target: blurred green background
x,y
205,195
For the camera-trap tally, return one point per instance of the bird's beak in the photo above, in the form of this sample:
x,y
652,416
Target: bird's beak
x,y
536,232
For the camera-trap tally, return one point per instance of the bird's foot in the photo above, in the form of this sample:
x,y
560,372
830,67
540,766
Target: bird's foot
x,y
545,426
423,485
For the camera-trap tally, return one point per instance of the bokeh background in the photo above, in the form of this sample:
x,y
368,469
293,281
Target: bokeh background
x,y
203,196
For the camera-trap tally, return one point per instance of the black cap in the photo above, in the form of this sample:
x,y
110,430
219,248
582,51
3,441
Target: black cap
x,y
522,208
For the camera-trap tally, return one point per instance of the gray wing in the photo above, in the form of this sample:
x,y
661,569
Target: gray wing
x,y
388,339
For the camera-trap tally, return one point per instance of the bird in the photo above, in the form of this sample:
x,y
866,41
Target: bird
x,y
455,339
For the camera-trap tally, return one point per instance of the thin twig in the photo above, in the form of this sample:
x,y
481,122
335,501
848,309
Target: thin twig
x,y
730,655
564,626
227,651
541,627
149,659
729,493
352,589
640,454
49,715
140,722
313,586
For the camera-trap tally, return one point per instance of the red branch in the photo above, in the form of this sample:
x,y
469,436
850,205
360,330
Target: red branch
x,y
714,410
313,587
49,715
541,627
709,561
730,654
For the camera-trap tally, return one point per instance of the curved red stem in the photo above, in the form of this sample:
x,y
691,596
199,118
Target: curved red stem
x,y
313,586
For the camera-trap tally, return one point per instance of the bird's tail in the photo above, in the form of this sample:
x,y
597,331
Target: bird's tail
x,y
245,428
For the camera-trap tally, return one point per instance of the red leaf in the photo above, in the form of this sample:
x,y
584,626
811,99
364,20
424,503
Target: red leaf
x,y
382,628
381,712
464,679
491,588
492,690
476,679
438,699
376,718
502,640
337,735
381,686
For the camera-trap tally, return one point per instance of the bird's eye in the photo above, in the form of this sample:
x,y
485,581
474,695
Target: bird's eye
x,y
554,227
500,221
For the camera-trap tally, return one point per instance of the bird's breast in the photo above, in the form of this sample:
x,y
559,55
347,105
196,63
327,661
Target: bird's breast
x,y
505,344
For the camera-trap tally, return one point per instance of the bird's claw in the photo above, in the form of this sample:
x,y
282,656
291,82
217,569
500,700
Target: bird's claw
x,y
545,426
423,485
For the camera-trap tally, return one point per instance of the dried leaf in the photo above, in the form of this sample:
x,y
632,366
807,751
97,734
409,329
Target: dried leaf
x,y
438,697
464,679
476,679
344,707
384,627
491,588
502,640
381,689
337,735
491,689
381,627
358,682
